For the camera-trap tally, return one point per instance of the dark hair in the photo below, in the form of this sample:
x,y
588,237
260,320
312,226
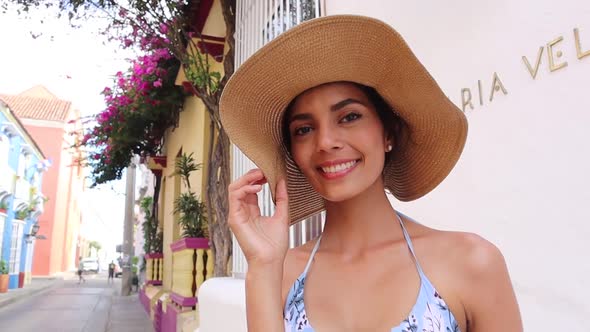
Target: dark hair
x,y
393,125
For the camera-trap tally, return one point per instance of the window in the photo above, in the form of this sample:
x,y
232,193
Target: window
x,y
22,166
4,157
4,147
2,221
286,14
15,247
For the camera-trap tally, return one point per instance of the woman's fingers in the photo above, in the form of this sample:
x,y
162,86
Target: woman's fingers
x,y
244,199
282,201
241,193
250,177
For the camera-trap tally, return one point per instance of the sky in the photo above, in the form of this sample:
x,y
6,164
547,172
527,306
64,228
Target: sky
x,y
75,65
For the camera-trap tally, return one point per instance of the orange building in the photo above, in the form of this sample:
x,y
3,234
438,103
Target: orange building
x,y
49,120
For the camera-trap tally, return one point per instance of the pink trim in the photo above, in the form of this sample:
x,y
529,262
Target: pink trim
x,y
160,160
183,301
154,255
213,38
201,14
158,316
169,319
190,243
145,301
154,282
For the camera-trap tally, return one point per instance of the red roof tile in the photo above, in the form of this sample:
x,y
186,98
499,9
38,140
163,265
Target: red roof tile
x,y
38,103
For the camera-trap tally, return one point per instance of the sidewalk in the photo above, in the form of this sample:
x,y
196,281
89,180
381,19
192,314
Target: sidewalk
x,y
127,315
37,285
64,305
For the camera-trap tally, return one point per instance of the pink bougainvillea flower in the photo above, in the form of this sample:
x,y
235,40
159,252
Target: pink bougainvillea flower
x,y
158,83
163,28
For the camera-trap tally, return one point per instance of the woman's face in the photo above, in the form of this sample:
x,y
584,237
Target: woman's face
x,y
337,140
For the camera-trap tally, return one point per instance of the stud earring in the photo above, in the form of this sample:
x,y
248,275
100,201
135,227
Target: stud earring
x,y
389,147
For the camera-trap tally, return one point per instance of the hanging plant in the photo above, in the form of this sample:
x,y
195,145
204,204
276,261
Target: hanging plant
x,y
142,104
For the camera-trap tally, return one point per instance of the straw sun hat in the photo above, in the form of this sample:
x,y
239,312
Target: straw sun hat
x,y
342,48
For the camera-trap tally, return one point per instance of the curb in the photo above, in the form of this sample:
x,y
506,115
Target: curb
x,y
13,299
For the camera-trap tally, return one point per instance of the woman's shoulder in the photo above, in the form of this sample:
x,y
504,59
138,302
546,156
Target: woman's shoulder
x,y
462,262
471,253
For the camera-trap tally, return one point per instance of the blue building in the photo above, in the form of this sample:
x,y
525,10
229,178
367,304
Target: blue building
x,y
21,202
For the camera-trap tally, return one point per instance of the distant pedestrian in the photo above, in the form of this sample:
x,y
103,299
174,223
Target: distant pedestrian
x,y
111,271
80,274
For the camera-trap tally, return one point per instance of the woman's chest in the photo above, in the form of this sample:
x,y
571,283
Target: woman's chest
x,y
357,298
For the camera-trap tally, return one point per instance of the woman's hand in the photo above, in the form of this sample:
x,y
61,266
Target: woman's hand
x,y
264,240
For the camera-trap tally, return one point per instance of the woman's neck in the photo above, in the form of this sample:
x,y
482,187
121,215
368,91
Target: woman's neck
x,y
360,223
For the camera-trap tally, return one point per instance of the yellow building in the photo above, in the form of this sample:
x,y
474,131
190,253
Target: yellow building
x,y
191,135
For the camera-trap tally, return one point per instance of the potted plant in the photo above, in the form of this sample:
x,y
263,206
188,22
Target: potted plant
x,y
190,254
22,214
152,246
191,211
3,276
3,207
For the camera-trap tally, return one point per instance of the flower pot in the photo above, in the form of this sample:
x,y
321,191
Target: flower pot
x,y
3,283
2,210
192,263
154,268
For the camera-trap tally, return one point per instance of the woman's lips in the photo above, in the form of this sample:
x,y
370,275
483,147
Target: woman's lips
x,y
337,169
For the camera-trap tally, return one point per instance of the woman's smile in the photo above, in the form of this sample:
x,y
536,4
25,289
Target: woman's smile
x,y
337,168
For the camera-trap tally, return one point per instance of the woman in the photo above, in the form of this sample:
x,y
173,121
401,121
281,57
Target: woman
x,y
353,114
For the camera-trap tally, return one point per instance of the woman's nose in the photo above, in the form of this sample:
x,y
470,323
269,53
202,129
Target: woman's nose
x,y
328,139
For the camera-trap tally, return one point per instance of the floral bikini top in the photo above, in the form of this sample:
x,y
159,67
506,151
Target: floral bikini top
x,y
429,314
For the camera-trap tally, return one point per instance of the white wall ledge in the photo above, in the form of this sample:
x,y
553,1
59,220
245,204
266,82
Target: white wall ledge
x,y
222,305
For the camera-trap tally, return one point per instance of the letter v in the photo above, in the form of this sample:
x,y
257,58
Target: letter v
x,y
532,71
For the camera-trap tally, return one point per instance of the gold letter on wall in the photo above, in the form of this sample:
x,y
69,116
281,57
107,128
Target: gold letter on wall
x,y
552,65
466,98
528,65
496,86
579,51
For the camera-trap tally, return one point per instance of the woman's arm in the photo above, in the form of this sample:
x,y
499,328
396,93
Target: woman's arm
x,y
264,241
263,298
490,301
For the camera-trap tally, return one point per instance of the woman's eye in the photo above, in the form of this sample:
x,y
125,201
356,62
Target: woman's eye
x,y
301,131
350,117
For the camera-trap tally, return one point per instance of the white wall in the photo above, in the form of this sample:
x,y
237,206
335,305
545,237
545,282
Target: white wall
x,y
523,181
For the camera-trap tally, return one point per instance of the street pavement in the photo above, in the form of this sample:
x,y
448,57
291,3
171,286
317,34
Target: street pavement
x,y
92,306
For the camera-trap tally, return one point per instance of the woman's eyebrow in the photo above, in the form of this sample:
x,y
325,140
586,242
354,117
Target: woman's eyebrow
x,y
300,116
338,106
341,104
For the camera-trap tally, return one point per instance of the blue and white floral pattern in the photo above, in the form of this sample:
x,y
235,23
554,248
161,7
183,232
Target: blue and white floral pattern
x,y
295,316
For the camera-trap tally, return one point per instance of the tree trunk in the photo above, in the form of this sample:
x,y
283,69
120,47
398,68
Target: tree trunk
x,y
217,202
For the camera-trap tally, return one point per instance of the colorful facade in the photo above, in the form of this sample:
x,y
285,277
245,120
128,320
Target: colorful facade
x,y
49,120
22,168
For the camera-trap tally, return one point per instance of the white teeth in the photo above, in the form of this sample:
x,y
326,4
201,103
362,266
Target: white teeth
x,y
339,167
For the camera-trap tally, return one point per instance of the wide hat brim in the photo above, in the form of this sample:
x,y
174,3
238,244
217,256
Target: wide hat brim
x,y
342,48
